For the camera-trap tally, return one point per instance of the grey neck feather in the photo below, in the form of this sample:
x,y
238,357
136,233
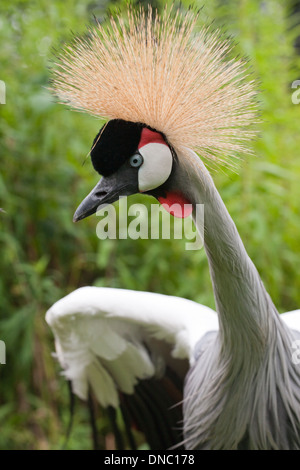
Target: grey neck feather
x,y
242,302
250,358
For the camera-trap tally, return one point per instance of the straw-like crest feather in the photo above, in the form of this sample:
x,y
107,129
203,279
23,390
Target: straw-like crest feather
x,y
163,72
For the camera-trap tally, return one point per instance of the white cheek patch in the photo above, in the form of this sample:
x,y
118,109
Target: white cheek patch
x,y
157,166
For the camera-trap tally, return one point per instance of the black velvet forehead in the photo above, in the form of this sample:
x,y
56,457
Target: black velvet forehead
x,y
117,142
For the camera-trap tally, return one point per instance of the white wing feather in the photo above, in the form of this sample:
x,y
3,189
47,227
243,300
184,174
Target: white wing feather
x,y
105,337
292,319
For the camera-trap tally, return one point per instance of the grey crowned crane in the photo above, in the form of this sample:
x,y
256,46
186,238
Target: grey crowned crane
x,y
172,95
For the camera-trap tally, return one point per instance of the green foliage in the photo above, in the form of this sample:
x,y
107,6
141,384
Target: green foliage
x,y
45,175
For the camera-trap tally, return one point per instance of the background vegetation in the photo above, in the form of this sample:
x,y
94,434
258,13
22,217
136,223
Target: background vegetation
x,y
44,255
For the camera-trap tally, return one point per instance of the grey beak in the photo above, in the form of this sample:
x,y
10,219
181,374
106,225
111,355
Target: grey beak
x,y
98,195
107,191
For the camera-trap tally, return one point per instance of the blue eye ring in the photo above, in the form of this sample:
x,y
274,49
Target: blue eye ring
x,y
136,160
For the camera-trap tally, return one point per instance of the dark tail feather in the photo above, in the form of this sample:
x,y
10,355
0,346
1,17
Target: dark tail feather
x,y
72,412
91,406
143,419
115,428
128,430
155,411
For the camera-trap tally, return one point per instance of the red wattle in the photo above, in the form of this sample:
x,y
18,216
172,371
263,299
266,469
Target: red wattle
x,y
176,205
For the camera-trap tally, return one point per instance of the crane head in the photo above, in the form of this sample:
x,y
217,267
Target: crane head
x,y
164,84
132,158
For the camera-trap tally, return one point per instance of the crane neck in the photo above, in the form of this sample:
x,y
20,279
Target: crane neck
x,y
246,313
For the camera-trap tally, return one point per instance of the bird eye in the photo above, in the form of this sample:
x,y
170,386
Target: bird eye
x,y
136,160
